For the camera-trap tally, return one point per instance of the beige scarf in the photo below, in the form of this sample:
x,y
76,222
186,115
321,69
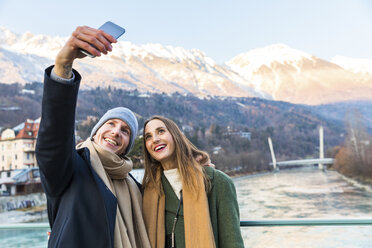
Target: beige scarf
x,y
198,227
130,229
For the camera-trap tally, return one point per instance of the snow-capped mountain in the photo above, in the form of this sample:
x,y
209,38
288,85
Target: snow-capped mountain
x,y
274,72
363,66
291,75
150,67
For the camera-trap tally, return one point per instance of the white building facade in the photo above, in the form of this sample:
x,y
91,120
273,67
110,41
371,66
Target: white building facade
x,y
17,150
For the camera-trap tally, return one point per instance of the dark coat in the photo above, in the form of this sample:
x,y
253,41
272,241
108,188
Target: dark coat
x,y
81,209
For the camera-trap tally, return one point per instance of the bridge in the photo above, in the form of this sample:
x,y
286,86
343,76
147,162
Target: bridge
x,y
312,161
302,162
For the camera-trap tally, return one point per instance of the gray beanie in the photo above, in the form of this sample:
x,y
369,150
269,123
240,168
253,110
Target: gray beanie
x,y
125,115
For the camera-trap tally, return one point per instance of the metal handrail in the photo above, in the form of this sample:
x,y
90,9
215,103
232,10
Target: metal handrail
x,y
25,226
244,223
308,222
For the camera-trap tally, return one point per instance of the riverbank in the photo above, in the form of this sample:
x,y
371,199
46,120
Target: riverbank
x,y
244,174
358,182
34,214
23,208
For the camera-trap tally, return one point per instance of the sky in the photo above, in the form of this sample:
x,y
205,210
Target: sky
x,y
220,28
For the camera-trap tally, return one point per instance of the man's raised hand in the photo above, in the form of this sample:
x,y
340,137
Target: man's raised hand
x,y
92,40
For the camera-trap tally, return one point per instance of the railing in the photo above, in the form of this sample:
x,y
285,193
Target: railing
x,y
264,222
24,226
312,161
308,222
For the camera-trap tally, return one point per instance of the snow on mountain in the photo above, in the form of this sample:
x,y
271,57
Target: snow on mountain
x,y
28,43
273,72
157,68
7,37
279,53
17,68
291,75
150,67
363,66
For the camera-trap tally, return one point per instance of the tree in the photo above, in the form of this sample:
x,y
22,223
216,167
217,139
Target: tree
x,y
354,158
136,154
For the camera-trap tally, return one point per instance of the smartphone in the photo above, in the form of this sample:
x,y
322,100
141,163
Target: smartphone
x,y
111,28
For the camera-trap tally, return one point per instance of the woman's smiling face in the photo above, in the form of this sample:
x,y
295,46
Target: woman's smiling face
x,y
159,141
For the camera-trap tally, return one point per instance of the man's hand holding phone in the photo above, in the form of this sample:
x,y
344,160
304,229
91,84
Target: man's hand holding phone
x,y
92,41
109,28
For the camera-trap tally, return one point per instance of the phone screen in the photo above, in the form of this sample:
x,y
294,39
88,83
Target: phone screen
x,y
111,28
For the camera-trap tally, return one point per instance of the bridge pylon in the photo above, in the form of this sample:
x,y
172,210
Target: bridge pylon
x,y
276,168
321,147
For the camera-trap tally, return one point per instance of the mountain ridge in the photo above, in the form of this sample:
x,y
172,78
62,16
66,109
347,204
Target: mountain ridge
x,y
275,72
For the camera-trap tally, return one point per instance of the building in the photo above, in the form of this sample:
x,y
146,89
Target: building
x,y
20,182
17,146
217,149
241,134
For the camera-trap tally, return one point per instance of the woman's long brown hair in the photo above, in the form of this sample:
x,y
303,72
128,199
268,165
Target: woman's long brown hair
x,y
184,158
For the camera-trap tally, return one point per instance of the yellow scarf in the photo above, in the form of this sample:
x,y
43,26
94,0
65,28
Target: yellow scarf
x,y
198,227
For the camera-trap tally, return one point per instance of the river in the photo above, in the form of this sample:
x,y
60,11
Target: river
x,y
295,193
303,193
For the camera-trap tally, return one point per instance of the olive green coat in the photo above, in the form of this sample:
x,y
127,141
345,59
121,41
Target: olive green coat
x,y
223,210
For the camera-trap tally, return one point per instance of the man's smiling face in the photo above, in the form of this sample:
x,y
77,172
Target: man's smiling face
x,y
113,136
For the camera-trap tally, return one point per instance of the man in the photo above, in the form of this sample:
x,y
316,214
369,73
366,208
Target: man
x,y
92,199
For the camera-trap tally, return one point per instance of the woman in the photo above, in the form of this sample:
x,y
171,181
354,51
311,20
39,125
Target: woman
x,y
184,203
